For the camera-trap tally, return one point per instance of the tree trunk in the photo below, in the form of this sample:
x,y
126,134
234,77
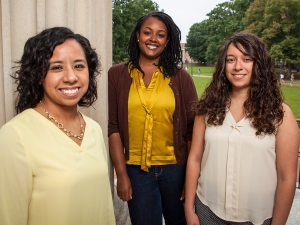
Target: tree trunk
x,y
289,70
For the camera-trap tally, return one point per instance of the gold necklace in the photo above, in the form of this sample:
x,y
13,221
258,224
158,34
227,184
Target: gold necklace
x,y
61,126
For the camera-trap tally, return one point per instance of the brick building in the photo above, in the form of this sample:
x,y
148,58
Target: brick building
x,y
185,55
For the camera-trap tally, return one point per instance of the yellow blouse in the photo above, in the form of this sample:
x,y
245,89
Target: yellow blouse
x,y
47,179
150,121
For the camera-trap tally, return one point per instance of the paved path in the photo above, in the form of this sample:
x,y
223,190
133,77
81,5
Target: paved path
x,y
294,217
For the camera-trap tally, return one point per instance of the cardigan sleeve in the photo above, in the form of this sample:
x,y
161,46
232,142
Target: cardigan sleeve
x,y
15,178
190,100
113,124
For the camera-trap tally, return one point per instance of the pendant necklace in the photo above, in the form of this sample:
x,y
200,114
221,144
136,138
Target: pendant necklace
x,y
61,125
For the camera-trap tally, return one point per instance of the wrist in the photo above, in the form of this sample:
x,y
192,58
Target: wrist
x,y
188,209
121,174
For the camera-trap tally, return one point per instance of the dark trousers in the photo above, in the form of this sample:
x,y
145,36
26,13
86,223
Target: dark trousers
x,y
155,194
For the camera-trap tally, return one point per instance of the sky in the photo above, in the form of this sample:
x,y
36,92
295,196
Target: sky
x,y
187,12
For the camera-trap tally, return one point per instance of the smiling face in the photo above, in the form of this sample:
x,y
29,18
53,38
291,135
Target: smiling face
x,y
152,38
238,68
67,78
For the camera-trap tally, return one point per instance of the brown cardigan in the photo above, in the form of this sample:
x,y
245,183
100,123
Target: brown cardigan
x,y
119,82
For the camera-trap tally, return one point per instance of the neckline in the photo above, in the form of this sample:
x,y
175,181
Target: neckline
x,y
240,121
53,126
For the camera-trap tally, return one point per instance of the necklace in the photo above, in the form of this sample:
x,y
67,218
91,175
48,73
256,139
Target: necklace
x,y
61,126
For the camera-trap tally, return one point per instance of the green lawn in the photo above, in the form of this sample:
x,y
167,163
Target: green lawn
x,y
204,70
292,98
291,94
208,71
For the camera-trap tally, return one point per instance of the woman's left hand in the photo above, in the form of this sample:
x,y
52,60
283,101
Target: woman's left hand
x,y
182,193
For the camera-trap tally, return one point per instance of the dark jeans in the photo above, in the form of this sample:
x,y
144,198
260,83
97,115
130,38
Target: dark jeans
x,y
156,193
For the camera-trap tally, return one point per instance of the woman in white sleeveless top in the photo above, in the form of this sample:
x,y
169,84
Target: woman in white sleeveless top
x,y
243,160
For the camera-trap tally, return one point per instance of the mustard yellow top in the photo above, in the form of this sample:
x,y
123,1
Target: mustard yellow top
x,y
150,121
47,179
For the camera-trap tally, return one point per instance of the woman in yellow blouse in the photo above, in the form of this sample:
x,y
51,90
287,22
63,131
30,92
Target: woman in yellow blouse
x,y
150,117
53,162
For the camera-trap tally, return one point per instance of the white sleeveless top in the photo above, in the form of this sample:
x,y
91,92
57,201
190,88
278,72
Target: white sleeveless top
x,y
238,173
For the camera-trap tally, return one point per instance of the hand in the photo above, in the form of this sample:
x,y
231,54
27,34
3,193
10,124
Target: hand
x,y
192,218
182,193
124,190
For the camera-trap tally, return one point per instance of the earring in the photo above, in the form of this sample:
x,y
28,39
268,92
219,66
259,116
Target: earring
x,y
138,40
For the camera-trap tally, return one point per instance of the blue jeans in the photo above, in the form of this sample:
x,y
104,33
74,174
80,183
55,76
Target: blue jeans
x,y
156,193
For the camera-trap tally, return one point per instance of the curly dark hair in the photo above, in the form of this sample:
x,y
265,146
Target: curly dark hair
x,y
34,65
170,58
264,104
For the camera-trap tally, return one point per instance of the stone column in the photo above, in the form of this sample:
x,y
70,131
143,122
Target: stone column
x,y
21,19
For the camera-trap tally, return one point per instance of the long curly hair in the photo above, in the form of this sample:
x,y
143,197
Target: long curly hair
x,y
34,65
170,58
264,104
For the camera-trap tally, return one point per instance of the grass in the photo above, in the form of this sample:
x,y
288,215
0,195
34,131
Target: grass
x,y
208,71
204,70
200,84
292,98
291,94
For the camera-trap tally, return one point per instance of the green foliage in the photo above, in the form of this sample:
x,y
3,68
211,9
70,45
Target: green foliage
x,y
218,26
253,21
125,15
279,29
205,39
224,20
196,43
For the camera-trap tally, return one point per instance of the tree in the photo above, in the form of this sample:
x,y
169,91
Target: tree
x,y
253,21
206,38
196,43
279,29
125,15
224,20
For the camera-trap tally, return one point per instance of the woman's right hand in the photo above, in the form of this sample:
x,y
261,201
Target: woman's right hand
x,y
193,169
192,218
124,190
116,149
